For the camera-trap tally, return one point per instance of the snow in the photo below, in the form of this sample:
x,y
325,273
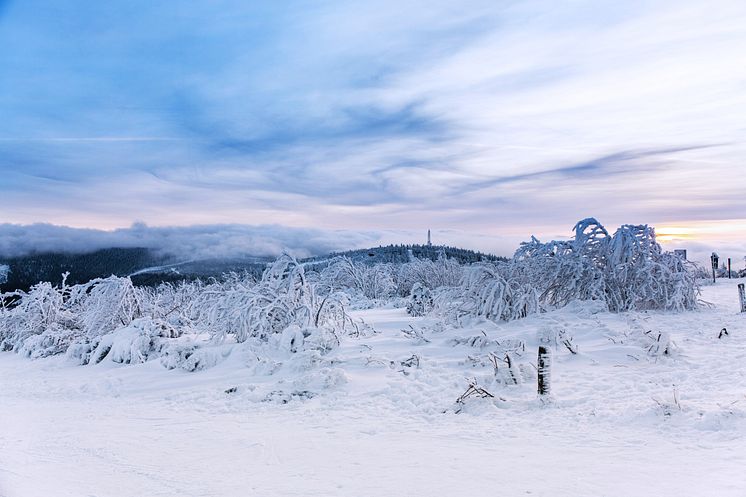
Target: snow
x,y
159,269
629,414
4,272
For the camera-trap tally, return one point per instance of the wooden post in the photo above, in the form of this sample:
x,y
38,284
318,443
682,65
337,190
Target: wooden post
x,y
714,264
742,296
728,267
544,367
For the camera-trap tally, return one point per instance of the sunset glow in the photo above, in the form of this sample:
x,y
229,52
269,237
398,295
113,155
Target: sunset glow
x,y
703,230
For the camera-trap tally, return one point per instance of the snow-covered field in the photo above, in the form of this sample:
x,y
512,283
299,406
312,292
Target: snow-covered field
x,y
378,416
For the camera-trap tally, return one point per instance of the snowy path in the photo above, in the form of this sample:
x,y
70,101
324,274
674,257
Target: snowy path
x,y
144,431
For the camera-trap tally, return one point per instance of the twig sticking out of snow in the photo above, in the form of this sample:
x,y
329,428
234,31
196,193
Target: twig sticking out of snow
x,y
573,348
667,408
474,390
415,334
412,362
492,357
662,345
509,362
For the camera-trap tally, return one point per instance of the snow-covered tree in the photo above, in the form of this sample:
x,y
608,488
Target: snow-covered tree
x,y
370,281
105,304
32,313
627,270
443,272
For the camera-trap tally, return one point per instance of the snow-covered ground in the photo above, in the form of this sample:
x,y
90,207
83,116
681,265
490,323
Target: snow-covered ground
x,y
377,416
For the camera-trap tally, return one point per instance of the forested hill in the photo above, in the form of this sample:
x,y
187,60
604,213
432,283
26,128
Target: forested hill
x,y
401,253
25,271
145,266
148,268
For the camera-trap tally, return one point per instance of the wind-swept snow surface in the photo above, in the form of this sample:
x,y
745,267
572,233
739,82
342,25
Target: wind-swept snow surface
x,y
643,403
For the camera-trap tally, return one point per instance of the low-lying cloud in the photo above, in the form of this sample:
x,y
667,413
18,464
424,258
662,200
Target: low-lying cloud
x,y
186,242
221,241
228,241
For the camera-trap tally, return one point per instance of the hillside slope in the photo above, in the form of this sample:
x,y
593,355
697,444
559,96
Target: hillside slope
x,y
150,268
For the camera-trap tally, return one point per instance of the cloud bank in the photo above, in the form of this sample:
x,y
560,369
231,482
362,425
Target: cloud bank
x,y
190,242
224,241
235,241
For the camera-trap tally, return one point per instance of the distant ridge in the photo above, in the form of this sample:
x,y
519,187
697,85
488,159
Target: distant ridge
x,y
147,267
144,266
26,271
400,254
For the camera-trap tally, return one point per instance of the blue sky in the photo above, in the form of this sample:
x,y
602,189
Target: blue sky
x,y
486,121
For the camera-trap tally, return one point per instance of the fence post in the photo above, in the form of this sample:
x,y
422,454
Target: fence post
x,y
544,367
714,265
729,268
742,296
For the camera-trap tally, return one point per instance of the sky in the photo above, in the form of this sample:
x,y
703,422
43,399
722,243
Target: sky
x,y
372,121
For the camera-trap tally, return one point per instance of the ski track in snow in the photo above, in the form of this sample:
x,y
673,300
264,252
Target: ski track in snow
x,y
155,269
612,428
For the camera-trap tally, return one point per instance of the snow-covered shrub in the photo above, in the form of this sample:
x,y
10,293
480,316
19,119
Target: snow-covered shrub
x,y
45,319
105,304
639,275
33,312
52,341
556,336
564,271
428,274
176,304
176,355
295,339
420,301
133,344
626,271
330,311
290,340
323,340
111,319
191,357
371,281
283,297
79,351
491,291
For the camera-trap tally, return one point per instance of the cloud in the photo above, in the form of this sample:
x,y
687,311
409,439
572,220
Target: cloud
x,y
491,117
240,241
228,240
192,242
